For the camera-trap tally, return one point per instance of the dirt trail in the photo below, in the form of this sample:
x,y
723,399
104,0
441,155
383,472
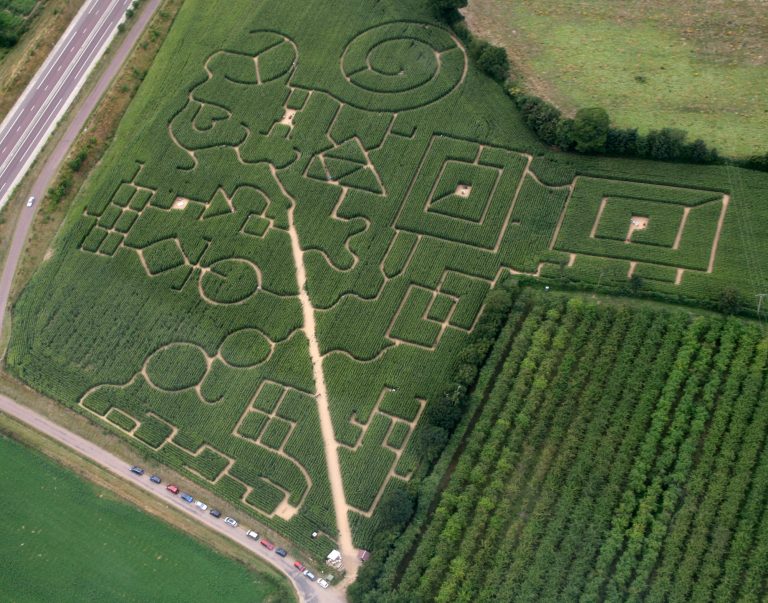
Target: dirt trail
x,y
340,506
720,220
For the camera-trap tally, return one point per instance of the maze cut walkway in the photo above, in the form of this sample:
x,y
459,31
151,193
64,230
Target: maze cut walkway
x,y
340,506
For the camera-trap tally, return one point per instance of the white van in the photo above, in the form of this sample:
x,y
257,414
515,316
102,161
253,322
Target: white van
x,y
252,534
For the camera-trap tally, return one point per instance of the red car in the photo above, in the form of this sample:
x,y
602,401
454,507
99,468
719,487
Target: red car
x,y
267,543
298,565
172,489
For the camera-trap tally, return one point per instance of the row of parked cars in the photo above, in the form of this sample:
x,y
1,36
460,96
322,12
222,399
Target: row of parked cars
x,y
231,521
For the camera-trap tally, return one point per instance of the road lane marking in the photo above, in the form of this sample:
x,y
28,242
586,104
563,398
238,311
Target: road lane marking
x,y
67,87
49,99
56,55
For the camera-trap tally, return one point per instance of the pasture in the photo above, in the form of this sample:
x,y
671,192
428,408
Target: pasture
x,y
618,454
66,540
272,269
699,65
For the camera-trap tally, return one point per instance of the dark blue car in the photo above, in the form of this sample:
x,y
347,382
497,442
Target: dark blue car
x,y
155,479
186,497
281,552
137,470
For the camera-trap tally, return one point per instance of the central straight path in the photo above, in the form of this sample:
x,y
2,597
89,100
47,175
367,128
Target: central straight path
x,y
307,591
51,92
340,506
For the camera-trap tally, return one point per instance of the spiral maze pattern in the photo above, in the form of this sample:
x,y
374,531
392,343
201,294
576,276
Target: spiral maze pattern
x,y
402,65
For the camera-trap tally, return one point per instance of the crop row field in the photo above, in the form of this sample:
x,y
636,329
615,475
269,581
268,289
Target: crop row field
x,y
294,232
620,455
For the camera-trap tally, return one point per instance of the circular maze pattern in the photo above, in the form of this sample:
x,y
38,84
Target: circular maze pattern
x,y
177,367
402,65
229,281
245,348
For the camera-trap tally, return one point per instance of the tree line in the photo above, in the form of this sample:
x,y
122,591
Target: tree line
x,y
590,130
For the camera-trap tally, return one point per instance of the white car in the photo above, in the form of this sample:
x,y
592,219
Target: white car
x,y
30,201
201,505
252,534
230,521
309,574
322,582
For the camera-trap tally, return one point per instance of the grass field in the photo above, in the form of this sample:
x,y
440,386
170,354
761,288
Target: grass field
x,y
699,65
620,454
293,233
65,540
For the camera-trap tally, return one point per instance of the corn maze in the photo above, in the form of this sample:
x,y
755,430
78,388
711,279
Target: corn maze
x,y
292,235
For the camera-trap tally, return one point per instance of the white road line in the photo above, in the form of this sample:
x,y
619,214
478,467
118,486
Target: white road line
x,y
55,54
4,166
115,14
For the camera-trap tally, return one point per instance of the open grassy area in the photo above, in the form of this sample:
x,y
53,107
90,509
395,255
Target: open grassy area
x,y
293,234
66,540
699,65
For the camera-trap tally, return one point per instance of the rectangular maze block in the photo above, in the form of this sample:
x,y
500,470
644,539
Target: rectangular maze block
x,y
462,192
642,223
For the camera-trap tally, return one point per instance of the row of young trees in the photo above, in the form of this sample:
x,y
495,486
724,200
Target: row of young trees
x,y
617,457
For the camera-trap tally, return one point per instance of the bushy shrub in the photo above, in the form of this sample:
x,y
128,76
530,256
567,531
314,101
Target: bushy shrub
x,y
492,60
11,28
447,9
755,162
590,130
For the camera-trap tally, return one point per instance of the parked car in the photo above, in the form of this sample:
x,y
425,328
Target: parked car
x,y
186,497
266,543
281,552
252,534
230,521
201,505
30,201
155,479
298,565
309,574
216,513
323,583
172,489
137,470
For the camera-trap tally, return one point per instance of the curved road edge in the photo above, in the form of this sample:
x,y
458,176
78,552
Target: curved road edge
x,y
305,591
54,160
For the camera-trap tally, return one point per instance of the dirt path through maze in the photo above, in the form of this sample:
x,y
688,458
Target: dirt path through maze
x,y
340,506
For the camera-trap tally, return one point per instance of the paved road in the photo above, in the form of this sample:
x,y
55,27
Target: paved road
x,y
54,87
59,153
309,592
